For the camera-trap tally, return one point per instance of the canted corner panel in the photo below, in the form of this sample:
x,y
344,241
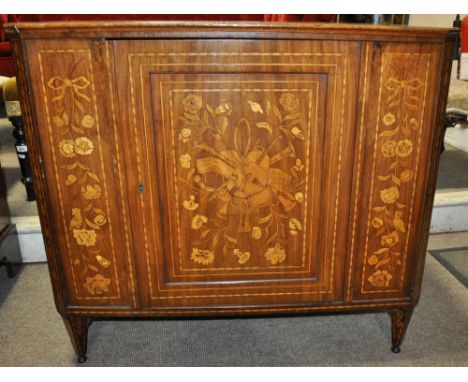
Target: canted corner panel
x,y
241,178
396,133
77,179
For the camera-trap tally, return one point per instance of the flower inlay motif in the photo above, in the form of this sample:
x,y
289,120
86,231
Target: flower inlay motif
x,y
246,169
72,119
400,122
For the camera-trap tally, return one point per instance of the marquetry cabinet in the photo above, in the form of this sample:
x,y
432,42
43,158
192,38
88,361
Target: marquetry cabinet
x,y
233,169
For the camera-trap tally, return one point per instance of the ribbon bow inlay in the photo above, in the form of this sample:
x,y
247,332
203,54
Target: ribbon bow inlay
x,y
397,87
60,85
392,84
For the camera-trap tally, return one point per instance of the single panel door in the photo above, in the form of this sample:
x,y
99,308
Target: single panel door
x,y
239,166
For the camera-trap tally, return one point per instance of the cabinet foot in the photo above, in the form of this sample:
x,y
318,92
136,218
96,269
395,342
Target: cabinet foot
x,y
78,330
396,349
400,321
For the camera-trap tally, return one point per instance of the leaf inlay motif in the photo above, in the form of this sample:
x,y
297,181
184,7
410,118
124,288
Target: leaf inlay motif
x,y
245,169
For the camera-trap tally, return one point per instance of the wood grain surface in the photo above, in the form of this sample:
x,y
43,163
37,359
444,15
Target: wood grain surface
x,y
231,168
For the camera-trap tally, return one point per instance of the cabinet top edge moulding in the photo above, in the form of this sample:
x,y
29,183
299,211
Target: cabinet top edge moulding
x,y
227,30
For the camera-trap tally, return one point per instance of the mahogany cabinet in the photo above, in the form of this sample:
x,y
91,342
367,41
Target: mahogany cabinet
x,y
199,169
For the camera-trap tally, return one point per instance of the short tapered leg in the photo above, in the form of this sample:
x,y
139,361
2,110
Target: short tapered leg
x,y
400,321
78,330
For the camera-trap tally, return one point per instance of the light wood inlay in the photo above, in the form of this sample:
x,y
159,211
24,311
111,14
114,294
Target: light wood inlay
x,y
142,66
401,107
72,115
233,169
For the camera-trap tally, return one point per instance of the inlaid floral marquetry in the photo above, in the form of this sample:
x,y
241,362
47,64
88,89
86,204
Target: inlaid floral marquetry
x,y
71,106
399,123
241,176
230,169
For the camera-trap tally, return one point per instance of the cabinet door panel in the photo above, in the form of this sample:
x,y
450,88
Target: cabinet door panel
x,y
80,153
240,175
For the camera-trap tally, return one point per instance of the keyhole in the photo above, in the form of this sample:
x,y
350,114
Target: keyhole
x,y
141,188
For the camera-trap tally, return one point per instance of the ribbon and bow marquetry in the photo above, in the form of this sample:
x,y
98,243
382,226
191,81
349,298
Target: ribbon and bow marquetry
x,y
76,85
402,90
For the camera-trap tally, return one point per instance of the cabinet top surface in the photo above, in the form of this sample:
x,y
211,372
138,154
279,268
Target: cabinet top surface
x,y
197,29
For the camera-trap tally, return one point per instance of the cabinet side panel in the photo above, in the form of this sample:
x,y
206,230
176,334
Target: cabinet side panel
x,y
77,135
400,124
27,108
432,168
